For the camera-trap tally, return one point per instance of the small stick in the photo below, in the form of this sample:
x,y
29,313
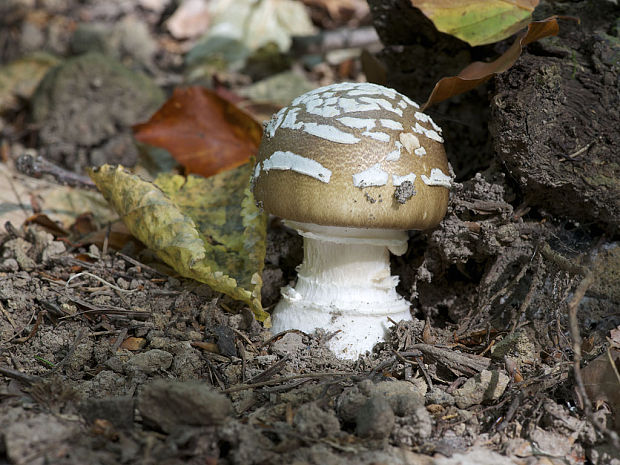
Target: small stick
x,y
18,375
510,413
283,379
69,355
137,263
420,366
246,339
38,166
35,328
101,280
462,363
269,371
119,340
7,315
279,335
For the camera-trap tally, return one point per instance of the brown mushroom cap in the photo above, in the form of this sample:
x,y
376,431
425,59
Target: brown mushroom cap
x,y
344,155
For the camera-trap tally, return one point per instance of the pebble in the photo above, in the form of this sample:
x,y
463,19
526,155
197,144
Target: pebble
x,y
168,404
290,343
403,396
439,397
488,385
149,362
312,421
375,419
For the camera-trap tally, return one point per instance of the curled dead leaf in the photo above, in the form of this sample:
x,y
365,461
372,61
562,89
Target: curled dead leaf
x,y
478,72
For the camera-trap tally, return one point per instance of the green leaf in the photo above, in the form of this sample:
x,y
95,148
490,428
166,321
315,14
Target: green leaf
x,y
478,22
208,229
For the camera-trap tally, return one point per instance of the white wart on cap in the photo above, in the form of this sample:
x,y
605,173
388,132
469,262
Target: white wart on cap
x,y
353,155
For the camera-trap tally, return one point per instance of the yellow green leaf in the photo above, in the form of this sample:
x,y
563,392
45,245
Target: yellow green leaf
x,y
208,229
478,22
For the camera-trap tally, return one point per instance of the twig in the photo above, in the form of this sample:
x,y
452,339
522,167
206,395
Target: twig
x,y
101,280
144,267
119,340
246,339
382,365
279,335
578,295
69,355
467,364
510,413
283,379
7,316
18,375
19,331
576,337
530,294
38,166
420,365
107,309
273,369
34,330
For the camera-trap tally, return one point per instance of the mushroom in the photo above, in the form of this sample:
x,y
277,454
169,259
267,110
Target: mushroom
x,y
351,167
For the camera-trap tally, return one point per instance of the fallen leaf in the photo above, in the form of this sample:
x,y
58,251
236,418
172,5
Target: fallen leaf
x,y
478,72
202,131
21,77
206,229
478,22
62,204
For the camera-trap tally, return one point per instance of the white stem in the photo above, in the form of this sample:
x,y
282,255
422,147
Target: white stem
x,y
345,285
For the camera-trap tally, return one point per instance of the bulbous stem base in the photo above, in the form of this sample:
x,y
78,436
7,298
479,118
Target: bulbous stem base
x,y
344,285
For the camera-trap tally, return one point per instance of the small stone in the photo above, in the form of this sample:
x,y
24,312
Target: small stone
x,y
122,283
311,420
440,397
518,346
290,343
488,385
414,428
236,321
349,404
149,362
93,251
54,249
403,396
375,419
18,249
167,404
10,264
550,443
